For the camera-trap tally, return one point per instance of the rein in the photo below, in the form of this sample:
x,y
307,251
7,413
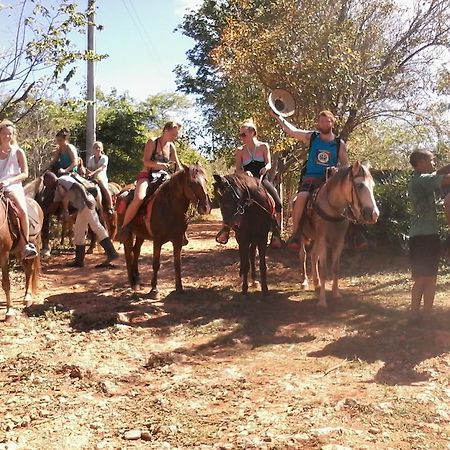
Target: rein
x,y
335,219
242,206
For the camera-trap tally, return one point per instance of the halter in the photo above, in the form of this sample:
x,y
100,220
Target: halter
x,y
342,216
244,203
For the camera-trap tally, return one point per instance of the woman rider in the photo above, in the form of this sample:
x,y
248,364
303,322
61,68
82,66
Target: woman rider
x,y
66,158
159,155
254,159
14,170
97,166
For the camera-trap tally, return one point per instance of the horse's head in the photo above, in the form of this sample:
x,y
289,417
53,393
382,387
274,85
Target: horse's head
x,y
195,187
361,199
230,197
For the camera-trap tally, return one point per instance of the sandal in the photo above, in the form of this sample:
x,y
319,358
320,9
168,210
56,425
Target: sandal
x,y
223,235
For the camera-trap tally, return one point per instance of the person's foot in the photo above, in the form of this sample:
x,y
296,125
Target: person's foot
x,y
29,251
294,243
275,242
223,235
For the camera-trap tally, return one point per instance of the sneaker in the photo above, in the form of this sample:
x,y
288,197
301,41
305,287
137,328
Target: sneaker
x,y
29,251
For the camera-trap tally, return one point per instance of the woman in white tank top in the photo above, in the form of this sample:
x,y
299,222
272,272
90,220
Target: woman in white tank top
x,y
13,170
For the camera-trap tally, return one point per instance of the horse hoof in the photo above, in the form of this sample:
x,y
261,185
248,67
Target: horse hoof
x,y
256,285
304,286
10,316
27,301
154,294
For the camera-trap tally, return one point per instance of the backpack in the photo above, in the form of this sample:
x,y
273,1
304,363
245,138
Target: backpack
x,y
314,135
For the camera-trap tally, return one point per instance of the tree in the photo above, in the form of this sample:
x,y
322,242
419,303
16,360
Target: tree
x,y
363,59
40,54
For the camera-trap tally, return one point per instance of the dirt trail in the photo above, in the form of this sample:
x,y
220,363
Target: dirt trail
x,y
213,370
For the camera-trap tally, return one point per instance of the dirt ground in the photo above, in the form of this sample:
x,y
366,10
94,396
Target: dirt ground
x,y
93,365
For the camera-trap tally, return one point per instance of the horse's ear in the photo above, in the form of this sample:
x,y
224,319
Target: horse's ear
x,y
185,167
366,164
356,168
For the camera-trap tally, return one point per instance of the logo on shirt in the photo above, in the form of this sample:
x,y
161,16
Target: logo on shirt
x,y
323,157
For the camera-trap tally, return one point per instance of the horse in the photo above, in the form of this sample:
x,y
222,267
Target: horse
x,y
346,195
8,241
166,223
247,208
44,195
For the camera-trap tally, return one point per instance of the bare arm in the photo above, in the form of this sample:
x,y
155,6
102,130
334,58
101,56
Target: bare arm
x,y
343,155
302,135
267,160
444,170
174,157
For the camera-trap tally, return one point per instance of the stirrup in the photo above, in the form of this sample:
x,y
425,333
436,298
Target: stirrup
x,y
223,235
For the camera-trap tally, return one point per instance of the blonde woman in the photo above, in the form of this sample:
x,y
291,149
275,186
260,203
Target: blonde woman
x,y
254,159
14,170
97,166
159,155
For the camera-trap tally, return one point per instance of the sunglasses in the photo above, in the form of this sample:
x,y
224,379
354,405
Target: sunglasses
x,y
242,135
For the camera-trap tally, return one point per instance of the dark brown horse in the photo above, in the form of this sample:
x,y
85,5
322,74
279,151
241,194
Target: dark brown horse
x,y
167,223
8,246
347,195
246,207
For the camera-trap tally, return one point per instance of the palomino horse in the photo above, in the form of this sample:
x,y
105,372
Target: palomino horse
x,y
349,191
167,222
247,208
8,246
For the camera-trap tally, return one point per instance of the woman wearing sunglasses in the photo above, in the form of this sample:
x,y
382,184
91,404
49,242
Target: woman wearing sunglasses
x,y
253,158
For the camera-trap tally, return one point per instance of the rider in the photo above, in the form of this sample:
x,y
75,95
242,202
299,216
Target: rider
x,y
66,157
160,155
96,170
253,158
325,151
13,170
69,190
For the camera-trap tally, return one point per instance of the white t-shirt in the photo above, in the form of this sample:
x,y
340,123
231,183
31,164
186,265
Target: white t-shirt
x,y
94,165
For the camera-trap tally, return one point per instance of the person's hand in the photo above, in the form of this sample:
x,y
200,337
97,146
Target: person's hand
x,y
61,172
248,173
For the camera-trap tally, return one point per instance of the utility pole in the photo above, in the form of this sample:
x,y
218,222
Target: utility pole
x,y
90,91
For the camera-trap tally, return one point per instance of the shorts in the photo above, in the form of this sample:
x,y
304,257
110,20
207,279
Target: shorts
x,y
143,175
309,184
424,254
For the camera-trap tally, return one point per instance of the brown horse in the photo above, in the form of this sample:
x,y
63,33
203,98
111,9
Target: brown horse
x,y
348,194
8,246
246,207
167,223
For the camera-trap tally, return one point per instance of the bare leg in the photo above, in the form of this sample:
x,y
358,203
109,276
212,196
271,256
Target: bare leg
x,y
429,293
133,207
297,211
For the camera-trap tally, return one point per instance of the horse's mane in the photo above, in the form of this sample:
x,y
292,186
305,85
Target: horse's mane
x,y
342,174
244,183
32,188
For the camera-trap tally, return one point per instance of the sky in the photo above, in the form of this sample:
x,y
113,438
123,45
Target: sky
x,y
138,36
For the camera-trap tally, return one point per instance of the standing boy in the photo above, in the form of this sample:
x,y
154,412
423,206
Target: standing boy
x,y
424,241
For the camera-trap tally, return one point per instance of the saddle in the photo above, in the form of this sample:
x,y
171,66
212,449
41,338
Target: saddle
x,y
90,186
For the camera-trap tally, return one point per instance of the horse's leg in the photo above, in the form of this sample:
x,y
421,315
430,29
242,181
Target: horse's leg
x,y
5,280
263,266
255,282
136,253
177,264
315,266
322,255
45,234
154,292
335,260
28,269
244,252
303,274
128,250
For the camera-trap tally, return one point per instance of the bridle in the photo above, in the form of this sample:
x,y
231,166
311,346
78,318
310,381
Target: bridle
x,y
243,202
348,213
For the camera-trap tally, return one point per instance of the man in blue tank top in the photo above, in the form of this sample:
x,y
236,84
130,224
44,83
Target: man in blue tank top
x,y
325,151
